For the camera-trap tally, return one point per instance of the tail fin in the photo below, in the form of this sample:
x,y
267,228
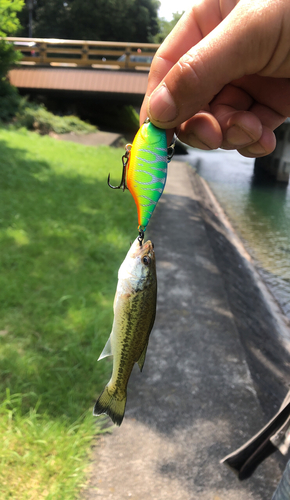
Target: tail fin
x,y
110,405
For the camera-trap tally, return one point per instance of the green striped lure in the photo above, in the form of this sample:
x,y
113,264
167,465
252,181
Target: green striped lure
x,y
145,170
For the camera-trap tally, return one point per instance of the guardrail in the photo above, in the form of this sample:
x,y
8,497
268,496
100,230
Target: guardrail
x,y
84,53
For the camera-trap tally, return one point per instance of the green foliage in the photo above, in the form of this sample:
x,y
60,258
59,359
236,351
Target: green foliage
x,y
9,101
63,236
128,119
9,97
113,116
165,27
36,117
129,20
41,458
7,58
9,21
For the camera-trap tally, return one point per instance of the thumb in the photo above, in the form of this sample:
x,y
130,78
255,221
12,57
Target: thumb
x,y
240,45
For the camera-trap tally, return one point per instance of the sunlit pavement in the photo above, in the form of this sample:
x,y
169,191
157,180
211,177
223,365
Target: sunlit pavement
x,y
195,400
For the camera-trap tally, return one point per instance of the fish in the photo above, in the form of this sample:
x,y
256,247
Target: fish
x,y
134,315
145,170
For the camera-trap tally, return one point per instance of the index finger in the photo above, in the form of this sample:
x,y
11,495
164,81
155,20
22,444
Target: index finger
x,y
190,29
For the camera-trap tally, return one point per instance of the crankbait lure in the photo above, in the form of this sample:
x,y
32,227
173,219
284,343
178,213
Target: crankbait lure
x,y
145,170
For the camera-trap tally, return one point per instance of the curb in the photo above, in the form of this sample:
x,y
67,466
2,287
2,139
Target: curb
x,y
263,328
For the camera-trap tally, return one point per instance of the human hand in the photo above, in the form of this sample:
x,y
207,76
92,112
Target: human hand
x,y
222,76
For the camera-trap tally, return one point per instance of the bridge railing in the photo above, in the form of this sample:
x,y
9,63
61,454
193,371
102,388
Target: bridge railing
x,y
84,53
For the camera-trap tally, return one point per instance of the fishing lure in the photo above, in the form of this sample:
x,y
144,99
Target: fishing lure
x,y
145,170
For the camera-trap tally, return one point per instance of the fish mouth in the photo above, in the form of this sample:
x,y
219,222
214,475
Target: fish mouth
x,y
146,249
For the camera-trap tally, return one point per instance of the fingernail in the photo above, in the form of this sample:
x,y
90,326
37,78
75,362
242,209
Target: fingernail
x,y
193,141
237,136
162,107
257,149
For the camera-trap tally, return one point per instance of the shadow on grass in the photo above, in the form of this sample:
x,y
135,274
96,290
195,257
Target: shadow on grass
x,y
63,237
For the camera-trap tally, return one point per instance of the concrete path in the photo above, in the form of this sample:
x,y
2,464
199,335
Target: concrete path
x,y
195,400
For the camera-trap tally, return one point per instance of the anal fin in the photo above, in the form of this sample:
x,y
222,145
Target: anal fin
x,y
141,360
107,351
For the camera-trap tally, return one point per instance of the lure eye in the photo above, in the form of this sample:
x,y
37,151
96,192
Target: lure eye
x,y
146,261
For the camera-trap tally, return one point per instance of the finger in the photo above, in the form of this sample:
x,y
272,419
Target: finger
x,y
263,147
240,128
241,118
201,131
210,64
191,28
249,99
271,92
267,116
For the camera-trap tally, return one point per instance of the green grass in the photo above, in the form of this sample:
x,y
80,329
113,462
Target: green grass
x,y
63,236
36,117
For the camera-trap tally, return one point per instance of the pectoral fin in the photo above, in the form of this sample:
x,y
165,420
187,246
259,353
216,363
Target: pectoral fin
x,y
141,360
107,351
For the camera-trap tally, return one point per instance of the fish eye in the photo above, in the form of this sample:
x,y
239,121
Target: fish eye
x,y
146,260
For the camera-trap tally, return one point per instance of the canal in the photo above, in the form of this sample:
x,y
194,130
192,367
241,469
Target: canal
x,y
259,211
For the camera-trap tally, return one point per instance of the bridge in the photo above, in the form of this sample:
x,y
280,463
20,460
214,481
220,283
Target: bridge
x,y
109,69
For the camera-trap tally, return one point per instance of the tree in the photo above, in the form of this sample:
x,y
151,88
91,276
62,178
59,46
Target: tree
x,y
112,20
166,26
9,23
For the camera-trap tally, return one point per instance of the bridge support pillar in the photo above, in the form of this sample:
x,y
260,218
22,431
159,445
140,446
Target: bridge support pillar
x,y
277,163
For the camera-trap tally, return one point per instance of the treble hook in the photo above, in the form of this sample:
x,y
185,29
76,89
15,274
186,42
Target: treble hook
x,y
125,159
141,237
171,148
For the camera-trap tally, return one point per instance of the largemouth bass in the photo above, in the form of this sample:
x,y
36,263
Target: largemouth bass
x,y
134,315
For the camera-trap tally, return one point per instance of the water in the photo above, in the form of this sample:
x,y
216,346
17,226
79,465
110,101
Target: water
x,y
259,210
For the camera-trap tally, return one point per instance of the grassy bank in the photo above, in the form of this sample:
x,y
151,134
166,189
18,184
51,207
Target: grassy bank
x,y
63,235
